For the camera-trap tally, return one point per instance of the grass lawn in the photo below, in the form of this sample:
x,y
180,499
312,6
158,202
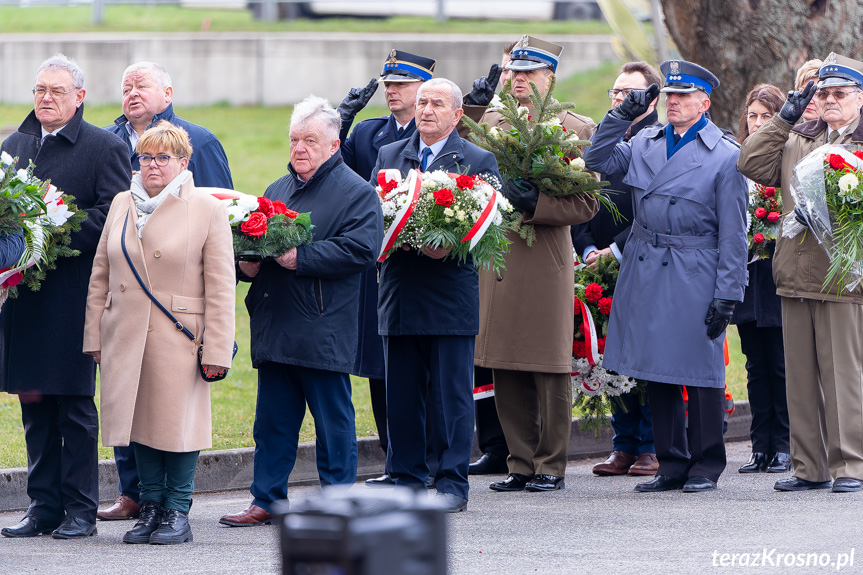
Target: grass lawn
x,y
255,140
164,18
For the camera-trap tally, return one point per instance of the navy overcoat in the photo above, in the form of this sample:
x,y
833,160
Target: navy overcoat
x,y
419,295
687,246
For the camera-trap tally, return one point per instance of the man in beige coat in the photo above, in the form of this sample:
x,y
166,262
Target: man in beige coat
x,y
526,312
823,331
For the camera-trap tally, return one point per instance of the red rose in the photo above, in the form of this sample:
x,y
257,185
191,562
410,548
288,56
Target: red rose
x,y
859,154
465,182
255,226
564,128
760,213
600,344
836,161
593,292
578,348
265,206
279,207
389,186
769,192
604,305
758,238
291,214
444,197
773,217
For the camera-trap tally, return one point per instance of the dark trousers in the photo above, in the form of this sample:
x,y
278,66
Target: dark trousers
x,y
166,476
430,377
765,370
489,433
693,450
633,428
378,393
61,432
283,392
127,470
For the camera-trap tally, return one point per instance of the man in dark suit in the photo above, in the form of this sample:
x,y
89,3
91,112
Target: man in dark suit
x,y
428,313
633,451
61,426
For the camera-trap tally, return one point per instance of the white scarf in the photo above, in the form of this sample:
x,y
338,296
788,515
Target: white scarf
x,y
145,205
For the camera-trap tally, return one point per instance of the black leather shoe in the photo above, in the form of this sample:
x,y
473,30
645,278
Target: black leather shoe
x,y
543,482
757,464
173,530
74,528
659,483
846,485
30,527
383,481
513,482
797,484
450,502
488,464
697,484
780,463
148,522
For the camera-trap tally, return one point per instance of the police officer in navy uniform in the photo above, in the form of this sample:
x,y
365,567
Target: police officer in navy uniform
x,y
683,269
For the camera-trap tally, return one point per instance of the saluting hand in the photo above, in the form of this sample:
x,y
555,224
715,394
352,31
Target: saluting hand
x,y
356,100
483,89
794,106
636,103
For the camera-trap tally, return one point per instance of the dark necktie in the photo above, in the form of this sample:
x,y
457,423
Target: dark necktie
x,y
834,135
677,138
401,133
426,156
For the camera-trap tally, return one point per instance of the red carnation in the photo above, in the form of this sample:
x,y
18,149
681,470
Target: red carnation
x,y
465,182
279,207
600,344
773,217
444,197
564,128
836,161
593,292
578,348
760,213
389,186
758,238
769,192
255,226
265,206
604,305
577,307
291,214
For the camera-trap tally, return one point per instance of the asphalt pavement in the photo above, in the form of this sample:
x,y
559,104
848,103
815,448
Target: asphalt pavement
x,y
595,526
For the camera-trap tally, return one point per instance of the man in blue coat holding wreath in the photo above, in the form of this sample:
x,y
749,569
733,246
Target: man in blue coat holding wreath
x,y
683,268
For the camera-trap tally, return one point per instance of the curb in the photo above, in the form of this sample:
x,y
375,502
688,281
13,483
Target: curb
x,y
231,469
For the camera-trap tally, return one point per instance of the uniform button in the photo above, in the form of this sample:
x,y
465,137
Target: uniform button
x,y
266,295
157,253
149,328
641,258
647,197
668,232
672,201
799,253
122,287
665,263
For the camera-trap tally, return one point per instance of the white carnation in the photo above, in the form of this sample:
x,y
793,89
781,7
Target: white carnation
x,y
577,163
6,159
847,183
248,202
448,212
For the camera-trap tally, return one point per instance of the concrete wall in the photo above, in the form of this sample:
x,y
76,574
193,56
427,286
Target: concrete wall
x,y
263,69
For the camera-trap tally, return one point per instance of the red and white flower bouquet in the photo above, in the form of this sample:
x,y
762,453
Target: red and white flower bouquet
x,y
765,211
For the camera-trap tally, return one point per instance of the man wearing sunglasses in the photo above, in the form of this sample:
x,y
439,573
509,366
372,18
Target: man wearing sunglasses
x,y
822,329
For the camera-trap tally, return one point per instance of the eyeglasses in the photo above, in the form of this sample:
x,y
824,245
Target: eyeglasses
x,y
161,159
615,92
40,91
838,95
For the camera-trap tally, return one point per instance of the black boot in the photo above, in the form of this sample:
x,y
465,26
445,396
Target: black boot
x,y
173,530
148,521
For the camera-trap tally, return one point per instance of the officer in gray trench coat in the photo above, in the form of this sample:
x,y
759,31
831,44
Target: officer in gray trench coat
x,y
683,268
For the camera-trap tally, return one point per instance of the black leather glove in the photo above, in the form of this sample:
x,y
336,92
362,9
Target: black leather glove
x,y
355,101
483,88
800,216
718,316
635,104
521,194
796,103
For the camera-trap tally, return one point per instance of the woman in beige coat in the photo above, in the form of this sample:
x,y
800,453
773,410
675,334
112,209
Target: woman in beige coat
x,y
152,393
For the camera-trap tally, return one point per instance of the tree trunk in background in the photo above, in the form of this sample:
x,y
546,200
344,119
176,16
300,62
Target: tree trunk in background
x,y
748,42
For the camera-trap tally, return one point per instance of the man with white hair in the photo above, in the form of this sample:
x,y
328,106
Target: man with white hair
x,y
147,94
147,98
428,313
303,313
61,425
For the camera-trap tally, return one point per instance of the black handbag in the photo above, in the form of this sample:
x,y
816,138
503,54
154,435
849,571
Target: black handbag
x,y
177,324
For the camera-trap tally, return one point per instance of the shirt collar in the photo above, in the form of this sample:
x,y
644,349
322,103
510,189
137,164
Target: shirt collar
x,y
435,148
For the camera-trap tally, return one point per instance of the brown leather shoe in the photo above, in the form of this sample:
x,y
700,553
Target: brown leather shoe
x,y
124,507
252,516
618,463
646,464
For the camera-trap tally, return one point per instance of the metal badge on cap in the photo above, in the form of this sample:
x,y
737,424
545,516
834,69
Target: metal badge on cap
x,y
406,67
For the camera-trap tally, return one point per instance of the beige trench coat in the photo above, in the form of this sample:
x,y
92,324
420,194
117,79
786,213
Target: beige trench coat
x,y
768,156
151,390
526,317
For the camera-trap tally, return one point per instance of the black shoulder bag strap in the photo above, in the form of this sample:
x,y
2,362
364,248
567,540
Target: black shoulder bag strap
x,y
177,323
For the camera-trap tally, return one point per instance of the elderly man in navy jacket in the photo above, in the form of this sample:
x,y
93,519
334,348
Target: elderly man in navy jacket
x,y
683,269
303,313
428,313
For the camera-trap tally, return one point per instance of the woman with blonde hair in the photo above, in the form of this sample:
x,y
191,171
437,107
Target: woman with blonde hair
x,y
164,243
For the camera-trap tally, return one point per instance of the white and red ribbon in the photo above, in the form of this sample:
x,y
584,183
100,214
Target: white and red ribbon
x,y
483,391
414,186
386,176
478,230
588,328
